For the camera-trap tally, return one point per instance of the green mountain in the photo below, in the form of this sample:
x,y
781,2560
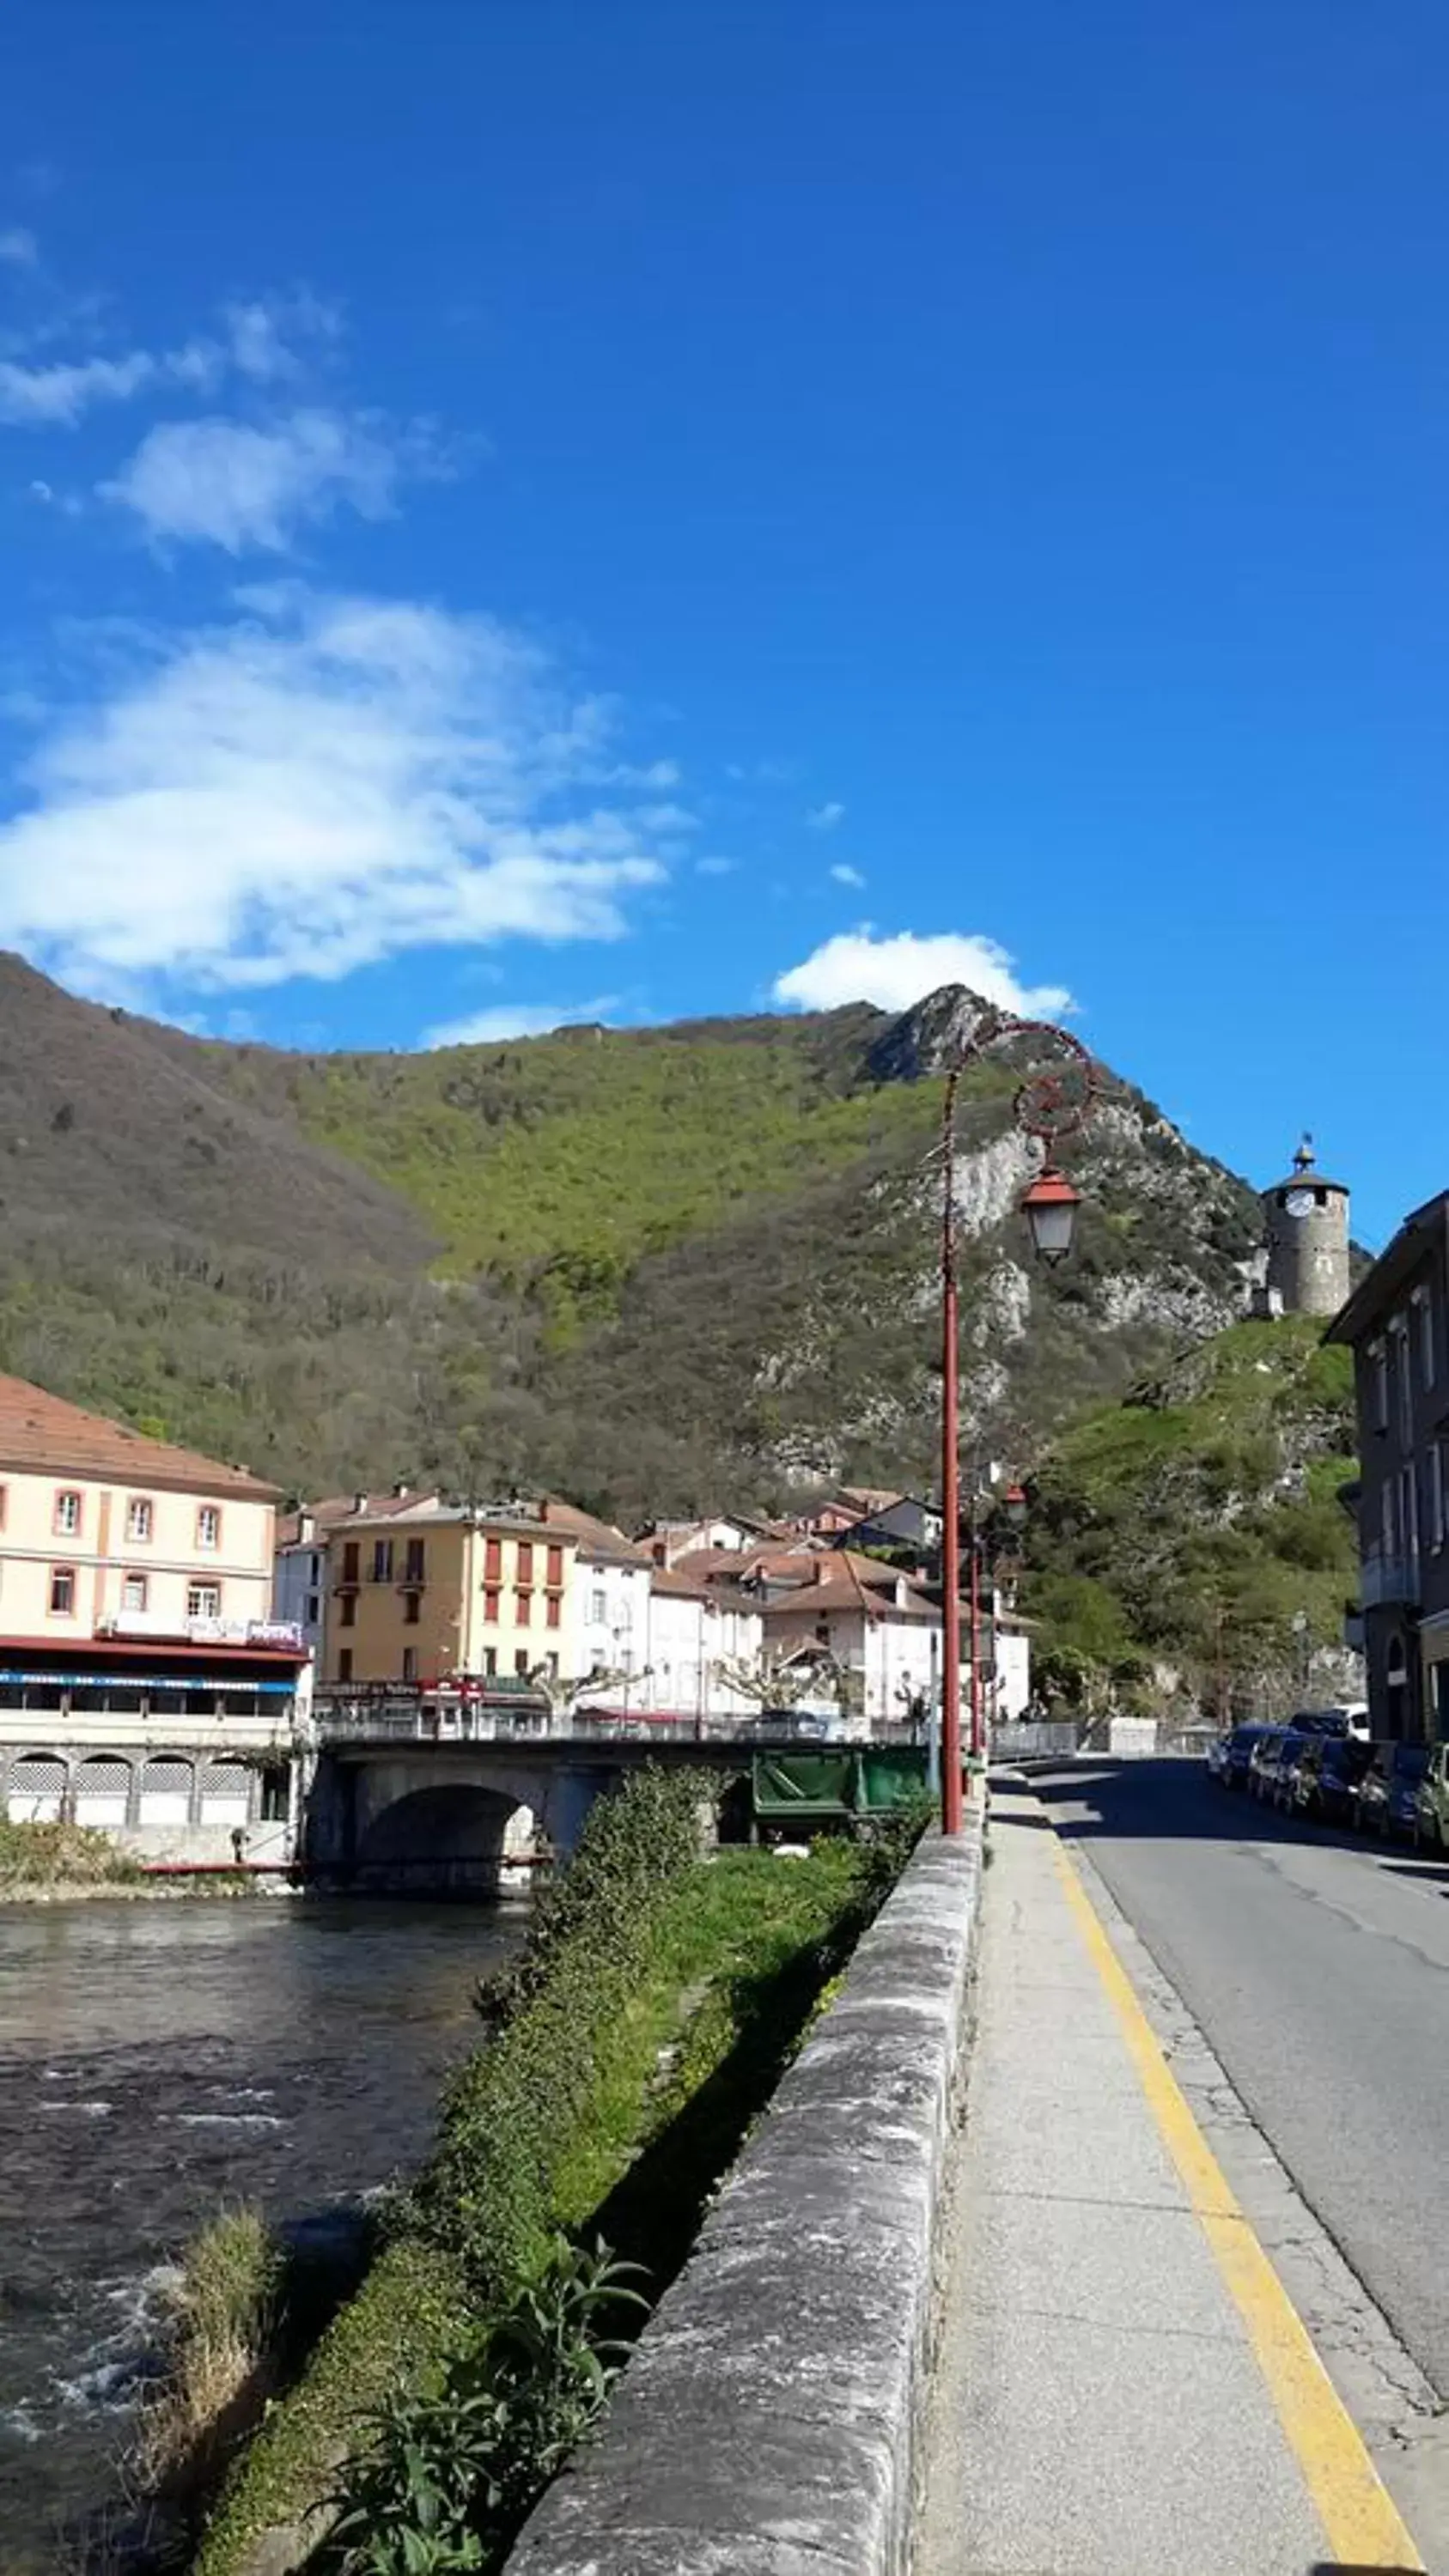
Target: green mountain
x,y
1192,1524
649,1265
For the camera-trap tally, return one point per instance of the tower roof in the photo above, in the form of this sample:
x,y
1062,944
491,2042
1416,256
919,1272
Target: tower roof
x,y
1305,1173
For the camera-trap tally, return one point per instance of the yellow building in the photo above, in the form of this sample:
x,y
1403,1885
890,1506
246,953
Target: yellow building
x,y
439,1593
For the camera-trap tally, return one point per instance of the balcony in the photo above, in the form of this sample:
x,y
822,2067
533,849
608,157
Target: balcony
x,y
1389,1582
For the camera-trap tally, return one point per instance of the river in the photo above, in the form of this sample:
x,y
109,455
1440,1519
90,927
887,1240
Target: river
x,y
160,2059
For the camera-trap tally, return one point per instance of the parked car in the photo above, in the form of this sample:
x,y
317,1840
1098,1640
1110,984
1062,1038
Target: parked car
x,y
1431,1821
1329,1774
1371,1797
1236,1752
1404,1773
1263,1763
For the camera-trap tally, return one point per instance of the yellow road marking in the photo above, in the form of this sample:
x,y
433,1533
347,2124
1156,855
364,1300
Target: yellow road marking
x,y
1363,2525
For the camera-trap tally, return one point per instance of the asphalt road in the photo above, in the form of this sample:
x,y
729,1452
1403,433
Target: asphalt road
x,y
1318,1967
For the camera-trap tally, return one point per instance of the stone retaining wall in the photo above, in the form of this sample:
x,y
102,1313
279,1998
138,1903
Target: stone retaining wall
x,y
767,2423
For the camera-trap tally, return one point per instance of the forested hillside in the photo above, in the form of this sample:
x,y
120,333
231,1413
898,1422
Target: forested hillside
x,y
650,1265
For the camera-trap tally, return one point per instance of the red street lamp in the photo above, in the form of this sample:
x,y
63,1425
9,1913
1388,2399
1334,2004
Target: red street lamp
x,y
1050,1209
1051,1102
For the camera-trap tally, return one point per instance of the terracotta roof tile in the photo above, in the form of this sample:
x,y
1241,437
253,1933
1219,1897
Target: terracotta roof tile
x,y
44,1434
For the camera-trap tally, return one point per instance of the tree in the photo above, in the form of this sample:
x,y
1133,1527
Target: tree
x,y
769,1679
563,1696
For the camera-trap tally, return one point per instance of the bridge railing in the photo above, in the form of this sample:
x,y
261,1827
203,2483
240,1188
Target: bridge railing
x,y
419,1718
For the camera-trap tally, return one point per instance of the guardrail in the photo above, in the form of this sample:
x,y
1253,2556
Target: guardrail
x,y
475,1722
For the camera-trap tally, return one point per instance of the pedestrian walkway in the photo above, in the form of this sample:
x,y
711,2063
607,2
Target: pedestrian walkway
x,y
1122,2388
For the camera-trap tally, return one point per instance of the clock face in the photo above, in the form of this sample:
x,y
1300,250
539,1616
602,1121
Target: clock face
x,y
1299,1203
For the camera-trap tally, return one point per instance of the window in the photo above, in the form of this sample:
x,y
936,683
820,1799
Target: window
x,y
1387,1533
525,1560
347,1610
140,1517
1409,1518
417,1560
522,1609
410,1664
133,1592
492,1560
412,1609
1379,1363
351,1560
62,1592
67,1515
598,1608
555,1608
490,1608
208,1526
344,1664
1436,1495
1424,1316
1406,1385
315,1575
490,1661
314,1608
382,1560
555,1566
203,1601
520,1663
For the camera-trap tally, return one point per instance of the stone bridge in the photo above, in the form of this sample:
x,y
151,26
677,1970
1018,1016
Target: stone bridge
x,y
417,1809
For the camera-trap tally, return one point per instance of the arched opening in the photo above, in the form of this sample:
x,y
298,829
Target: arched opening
x,y
166,1786
226,1793
102,1792
36,1792
446,1839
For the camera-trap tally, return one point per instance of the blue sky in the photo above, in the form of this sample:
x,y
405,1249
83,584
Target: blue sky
x,y
521,510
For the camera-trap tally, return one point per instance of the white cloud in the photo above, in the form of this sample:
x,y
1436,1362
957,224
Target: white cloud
x,y
55,397
516,1020
255,333
234,486
895,972
824,818
255,347
323,783
19,248
847,876
715,867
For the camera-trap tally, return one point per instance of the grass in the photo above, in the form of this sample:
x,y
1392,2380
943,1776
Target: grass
x,y
221,2333
60,1855
734,1963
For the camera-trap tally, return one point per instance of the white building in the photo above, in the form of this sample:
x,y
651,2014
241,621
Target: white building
x,y
695,1626
607,1604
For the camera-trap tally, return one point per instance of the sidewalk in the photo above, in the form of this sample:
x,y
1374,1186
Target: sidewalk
x,y
1117,2392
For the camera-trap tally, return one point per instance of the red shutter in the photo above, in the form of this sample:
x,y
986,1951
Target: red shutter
x,y
555,1566
553,1609
525,1560
492,1560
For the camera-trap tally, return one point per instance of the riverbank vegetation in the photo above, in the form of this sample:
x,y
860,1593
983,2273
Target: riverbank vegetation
x,y
59,1857
221,2337
628,2049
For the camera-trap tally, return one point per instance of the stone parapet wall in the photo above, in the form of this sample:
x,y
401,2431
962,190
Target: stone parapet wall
x,y
768,2422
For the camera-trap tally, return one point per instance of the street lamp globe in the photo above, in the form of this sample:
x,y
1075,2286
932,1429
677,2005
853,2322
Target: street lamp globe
x,y
1050,1209
1014,1508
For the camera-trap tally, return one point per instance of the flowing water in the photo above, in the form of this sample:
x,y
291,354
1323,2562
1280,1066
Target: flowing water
x,y
156,2061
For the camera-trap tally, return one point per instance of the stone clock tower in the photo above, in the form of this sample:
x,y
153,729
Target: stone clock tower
x,y
1307,1219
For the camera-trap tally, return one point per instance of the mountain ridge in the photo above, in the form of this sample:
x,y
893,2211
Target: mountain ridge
x,y
647,1265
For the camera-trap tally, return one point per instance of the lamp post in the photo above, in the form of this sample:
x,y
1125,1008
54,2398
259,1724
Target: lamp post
x,y
1050,1103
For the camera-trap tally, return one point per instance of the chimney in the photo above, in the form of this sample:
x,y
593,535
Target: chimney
x,y
359,1503
401,1490
306,1527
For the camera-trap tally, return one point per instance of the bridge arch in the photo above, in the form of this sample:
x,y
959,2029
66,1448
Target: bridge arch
x,y
446,1834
